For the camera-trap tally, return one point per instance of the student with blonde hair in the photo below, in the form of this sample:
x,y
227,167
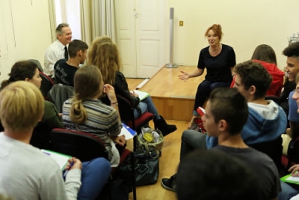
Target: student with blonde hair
x,y
104,54
85,112
26,172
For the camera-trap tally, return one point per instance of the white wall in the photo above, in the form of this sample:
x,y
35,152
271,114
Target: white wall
x,y
25,29
245,25
25,32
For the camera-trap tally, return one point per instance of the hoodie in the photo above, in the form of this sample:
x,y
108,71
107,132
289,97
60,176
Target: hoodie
x,y
264,123
277,78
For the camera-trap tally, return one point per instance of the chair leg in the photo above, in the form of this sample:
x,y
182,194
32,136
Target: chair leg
x,y
133,176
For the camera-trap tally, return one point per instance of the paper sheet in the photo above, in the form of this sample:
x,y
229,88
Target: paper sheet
x,y
142,95
61,159
127,132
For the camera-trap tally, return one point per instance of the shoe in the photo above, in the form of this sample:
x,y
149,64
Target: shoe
x,y
165,128
169,183
191,125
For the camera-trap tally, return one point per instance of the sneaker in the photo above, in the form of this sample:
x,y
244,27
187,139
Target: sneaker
x,y
169,183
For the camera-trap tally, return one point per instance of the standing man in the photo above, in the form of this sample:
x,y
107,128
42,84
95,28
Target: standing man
x,y
58,49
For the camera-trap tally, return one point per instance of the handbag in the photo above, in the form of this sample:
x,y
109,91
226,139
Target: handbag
x,y
146,166
150,137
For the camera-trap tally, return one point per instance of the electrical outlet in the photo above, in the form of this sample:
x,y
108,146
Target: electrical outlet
x,y
181,23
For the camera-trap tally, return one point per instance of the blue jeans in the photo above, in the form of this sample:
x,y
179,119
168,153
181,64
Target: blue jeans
x,y
203,91
192,140
286,192
95,174
146,105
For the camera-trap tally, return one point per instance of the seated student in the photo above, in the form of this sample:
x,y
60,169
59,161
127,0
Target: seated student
x,y
226,114
287,190
293,116
104,55
265,55
85,112
266,120
291,70
28,71
26,172
205,174
65,69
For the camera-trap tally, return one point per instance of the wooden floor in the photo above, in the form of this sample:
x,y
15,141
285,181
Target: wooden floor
x,y
170,152
172,97
167,165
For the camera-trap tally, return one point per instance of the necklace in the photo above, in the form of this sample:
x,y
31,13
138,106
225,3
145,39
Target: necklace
x,y
215,52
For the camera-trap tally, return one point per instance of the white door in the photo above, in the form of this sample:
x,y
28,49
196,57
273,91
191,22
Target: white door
x,y
141,36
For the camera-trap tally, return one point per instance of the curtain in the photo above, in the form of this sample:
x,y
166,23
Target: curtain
x,y
52,18
97,19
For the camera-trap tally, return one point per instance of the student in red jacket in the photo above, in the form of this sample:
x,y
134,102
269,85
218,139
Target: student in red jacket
x,y
265,55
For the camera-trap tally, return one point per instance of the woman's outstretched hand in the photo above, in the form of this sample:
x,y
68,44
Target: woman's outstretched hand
x,y
184,76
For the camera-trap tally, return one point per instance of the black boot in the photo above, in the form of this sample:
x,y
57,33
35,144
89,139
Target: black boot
x,y
161,125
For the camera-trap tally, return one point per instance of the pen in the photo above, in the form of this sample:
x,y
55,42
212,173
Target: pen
x,y
66,171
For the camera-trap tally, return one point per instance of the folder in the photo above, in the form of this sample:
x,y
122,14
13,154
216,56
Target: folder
x,y
290,179
127,132
61,159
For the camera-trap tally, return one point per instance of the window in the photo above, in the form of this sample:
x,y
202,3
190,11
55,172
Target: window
x,y
69,11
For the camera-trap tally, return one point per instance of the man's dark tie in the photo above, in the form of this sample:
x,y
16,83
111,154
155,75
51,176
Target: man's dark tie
x,y
66,55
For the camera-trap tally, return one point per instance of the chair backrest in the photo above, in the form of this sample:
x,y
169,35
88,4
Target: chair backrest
x,y
125,108
272,148
126,111
39,66
273,98
82,145
46,85
293,152
59,94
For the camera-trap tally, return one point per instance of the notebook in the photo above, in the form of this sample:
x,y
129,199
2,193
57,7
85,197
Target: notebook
x,y
127,132
61,159
142,95
290,179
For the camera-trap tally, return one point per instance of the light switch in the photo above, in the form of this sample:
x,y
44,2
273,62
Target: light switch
x,y
181,23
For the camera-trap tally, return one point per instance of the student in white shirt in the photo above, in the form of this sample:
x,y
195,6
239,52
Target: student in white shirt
x,y
26,172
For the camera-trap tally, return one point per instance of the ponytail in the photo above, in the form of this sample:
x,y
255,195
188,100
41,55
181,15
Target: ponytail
x,y
78,112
